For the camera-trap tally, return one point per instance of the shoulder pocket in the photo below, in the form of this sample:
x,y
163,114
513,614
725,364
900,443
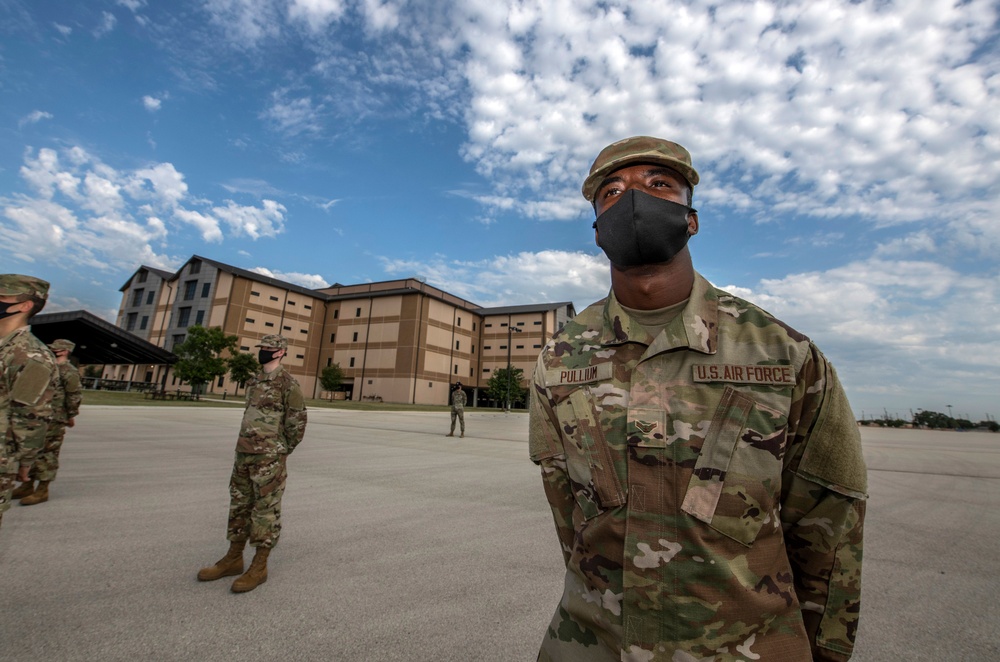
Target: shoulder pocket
x,y
31,383
737,477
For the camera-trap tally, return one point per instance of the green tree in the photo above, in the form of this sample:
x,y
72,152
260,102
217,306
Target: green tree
x,y
199,357
497,387
331,377
241,368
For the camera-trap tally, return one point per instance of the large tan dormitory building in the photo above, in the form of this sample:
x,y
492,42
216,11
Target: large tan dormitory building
x,y
399,340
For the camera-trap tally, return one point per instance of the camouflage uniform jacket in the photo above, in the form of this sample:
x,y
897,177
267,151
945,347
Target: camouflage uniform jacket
x,y
707,487
27,386
275,417
67,393
458,400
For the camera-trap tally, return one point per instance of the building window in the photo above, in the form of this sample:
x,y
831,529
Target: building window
x,y
473,349
130,321
178,339
336,313
486,369
352,363
355,339
470,371
303,331
249,320
273,298
357,313
244,348
503,324
333,337
459,321
329,362
456,370
369,382
287,328
199,317
141,276
254,294
142,325
519,346
183,316
300,356
456,343
307,307
291,303
538,346
222,380
190,287
520,323
473,326
205,289
137,296
195,267
149,297
487,346
538,323
489,325
503,346
268,323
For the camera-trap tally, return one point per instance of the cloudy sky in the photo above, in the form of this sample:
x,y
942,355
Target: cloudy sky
x,y
849,154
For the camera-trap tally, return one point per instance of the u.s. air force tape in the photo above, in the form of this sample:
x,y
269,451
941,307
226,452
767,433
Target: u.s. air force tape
x,y
766,375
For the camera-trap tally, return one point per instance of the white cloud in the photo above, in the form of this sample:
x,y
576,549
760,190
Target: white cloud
x,y
107,25
64,30
293,116
152,104
34,117
317,14
266,221
132,5
544,277
312,281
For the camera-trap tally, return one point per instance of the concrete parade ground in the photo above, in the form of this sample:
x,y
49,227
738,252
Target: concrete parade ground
x,y
401,544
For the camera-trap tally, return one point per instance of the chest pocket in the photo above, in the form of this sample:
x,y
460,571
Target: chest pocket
x,y
737,477
595,482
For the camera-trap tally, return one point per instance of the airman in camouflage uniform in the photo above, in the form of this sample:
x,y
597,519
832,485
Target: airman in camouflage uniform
x,y
273,425
457,409
65,407
27,373
701,461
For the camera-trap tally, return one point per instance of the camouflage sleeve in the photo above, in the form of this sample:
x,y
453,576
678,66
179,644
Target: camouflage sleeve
x,y
74,393
294,424
823,509
30,410
546,450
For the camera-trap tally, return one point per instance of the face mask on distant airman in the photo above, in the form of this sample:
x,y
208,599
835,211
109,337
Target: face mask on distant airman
x,y
266,355
642,229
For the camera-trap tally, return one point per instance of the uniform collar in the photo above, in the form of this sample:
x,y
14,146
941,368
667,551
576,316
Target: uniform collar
x,y
268,376
695,328
13,334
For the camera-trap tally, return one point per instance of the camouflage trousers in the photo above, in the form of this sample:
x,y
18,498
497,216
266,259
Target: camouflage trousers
x,y
255,491
8,480
47,463
460,415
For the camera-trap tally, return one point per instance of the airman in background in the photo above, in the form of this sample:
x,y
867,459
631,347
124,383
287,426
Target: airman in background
x,y
457,409
65,407
28,375
273,425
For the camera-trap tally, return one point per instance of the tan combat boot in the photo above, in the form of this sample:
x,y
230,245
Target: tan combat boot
x,y
40,495
255,575
229,565
26,488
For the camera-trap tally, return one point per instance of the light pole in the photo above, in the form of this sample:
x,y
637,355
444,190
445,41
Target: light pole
x,y
951,419
510,329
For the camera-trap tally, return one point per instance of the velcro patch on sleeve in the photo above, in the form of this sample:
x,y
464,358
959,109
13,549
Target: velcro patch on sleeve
x,y
31,383
766,375
572,376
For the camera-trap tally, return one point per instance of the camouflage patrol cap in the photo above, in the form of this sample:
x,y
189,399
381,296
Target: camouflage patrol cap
x,y
638,149
16,285
62,345
273,340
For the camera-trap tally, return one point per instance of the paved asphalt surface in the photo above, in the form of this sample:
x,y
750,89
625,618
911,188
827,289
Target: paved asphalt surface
x,y
400,544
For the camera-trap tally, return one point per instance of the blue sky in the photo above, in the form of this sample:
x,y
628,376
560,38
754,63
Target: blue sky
x,y
849,154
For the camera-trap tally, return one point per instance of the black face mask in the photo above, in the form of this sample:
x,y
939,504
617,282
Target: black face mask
x,y
642,229
5,309
266,355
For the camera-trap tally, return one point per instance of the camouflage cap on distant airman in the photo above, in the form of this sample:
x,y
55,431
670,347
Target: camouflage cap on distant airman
x,y
62,345
638,149
273,340
16,285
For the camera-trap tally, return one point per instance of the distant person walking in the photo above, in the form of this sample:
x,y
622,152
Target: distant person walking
x,y
457,409
273,425
65,407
